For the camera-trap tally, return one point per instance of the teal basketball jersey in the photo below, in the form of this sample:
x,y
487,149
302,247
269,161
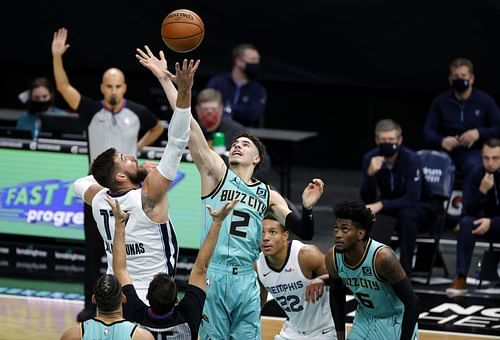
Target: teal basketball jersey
x,y
373,294
97,330
241,231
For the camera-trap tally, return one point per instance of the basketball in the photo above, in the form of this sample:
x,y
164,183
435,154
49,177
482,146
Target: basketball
x,y
182,30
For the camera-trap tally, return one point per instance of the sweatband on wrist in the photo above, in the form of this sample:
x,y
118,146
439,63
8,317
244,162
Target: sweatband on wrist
x,y
303,227
82,184
178,137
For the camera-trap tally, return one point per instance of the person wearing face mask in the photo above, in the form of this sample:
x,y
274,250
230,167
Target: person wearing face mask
x,y
481,217
393,184
462,118
244,97
113,122
209,110
39,99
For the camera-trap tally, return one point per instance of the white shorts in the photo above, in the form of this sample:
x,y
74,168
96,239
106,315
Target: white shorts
x,y
288,332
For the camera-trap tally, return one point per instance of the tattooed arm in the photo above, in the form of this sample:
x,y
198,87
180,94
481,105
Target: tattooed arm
x,y
388,267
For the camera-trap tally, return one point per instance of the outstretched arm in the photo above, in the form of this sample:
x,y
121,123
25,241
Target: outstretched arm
x,y
119,254
338,293
58,48
159,68
198,274
156,183
210,165
388,267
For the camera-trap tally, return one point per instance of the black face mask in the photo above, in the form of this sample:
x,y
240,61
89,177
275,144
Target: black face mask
x,y
252,70
460,85
388,149
35,106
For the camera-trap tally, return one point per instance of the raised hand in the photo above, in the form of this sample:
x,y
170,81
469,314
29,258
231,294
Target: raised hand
x,y
222,213
157,66
59,45
121,217
312,193
184,75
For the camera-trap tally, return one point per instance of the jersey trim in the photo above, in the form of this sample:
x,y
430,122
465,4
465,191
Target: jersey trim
x,y
373,263
119,194
289,250
335,265
268,197
170,246
133,331
367,248
252,184
217,187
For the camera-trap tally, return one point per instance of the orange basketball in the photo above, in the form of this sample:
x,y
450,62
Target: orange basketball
x,y
182,30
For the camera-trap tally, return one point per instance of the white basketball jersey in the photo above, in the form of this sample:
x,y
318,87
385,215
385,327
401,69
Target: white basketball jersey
x,y
288,287
151,247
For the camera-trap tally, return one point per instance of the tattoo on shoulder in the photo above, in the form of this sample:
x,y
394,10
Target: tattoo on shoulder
x,y
147,204
389,266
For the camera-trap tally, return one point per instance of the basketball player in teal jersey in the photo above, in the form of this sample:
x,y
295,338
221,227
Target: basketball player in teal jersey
x,y
387,306
232,306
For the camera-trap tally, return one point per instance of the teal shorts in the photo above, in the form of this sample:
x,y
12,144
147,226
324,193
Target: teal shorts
x,y
232,305
366,326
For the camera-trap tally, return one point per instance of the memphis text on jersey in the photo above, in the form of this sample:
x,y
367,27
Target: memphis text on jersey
x,y
285,287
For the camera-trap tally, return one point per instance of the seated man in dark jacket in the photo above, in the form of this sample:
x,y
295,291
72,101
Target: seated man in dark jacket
x,y
481,210
462,118
393,184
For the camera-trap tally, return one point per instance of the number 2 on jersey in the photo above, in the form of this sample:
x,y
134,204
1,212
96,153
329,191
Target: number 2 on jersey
x,y
243,223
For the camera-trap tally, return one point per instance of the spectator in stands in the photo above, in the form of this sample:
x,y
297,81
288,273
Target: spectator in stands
x,y
209,110
462,118
393,184
244,97
113,122
481,210
39,99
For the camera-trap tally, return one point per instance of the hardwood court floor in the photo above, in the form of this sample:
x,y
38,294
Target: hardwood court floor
x,y
47,319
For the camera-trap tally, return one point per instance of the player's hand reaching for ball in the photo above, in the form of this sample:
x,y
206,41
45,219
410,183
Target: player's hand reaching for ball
x,y
184,74
147,59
